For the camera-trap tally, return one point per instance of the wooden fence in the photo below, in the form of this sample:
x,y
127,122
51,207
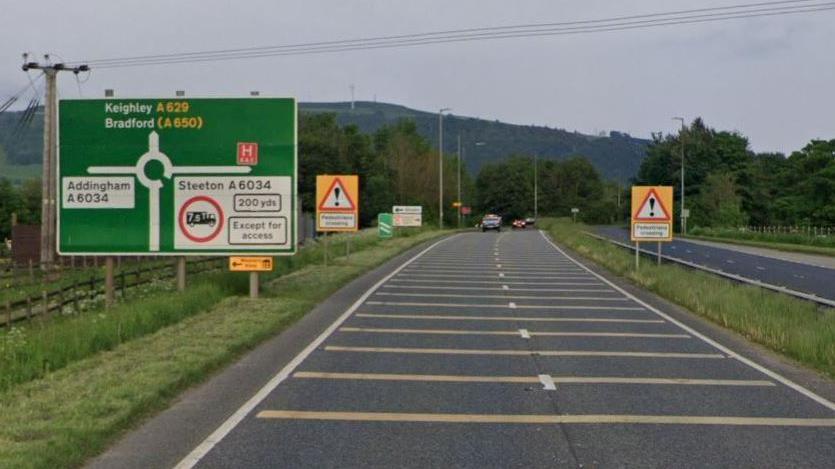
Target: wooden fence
x,y
83,287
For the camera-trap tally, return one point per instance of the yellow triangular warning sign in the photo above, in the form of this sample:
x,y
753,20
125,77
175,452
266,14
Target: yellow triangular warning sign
x,y
652,209
337,198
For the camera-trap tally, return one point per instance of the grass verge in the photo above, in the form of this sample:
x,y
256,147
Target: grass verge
x,y
795,328
71,414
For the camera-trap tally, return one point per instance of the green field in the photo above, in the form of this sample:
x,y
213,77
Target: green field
x,y
19,173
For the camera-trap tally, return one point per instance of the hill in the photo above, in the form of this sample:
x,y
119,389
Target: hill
x,y
617,156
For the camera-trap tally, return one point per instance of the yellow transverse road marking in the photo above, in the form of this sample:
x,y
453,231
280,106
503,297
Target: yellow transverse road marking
x,y
545,353
488,275
554,334
519,297
504,318
529,379
545,419
489,282
515,289
466,305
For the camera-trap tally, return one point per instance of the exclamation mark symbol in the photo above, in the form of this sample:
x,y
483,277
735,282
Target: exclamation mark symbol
x,y
651,206
336,192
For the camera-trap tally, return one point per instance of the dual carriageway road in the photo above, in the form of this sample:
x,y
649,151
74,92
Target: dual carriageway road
x,y
814,275
500,350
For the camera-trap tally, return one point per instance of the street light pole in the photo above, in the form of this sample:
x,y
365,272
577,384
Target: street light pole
x,y
681,146
458,199
441,166
535,187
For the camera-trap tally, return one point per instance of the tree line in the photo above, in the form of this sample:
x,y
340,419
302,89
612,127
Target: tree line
x,y
728,185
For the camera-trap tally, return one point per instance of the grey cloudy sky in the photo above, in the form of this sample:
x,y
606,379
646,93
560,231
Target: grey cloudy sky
x,y
773,79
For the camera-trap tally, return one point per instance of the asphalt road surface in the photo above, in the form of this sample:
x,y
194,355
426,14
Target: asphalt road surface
x,y
498,350
806,278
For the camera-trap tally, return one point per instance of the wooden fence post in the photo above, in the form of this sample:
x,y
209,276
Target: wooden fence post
x,y
60,299
109,294
75,296
45,300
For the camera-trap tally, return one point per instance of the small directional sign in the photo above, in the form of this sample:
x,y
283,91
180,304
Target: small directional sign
x,y
407,215
410,209
337,203
385,225
652,208
251,264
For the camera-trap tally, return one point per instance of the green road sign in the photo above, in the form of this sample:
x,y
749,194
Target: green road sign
x,y
385,225
177,176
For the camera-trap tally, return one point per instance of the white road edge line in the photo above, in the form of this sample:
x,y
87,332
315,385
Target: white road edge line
x,y
547,383
730,353
227,426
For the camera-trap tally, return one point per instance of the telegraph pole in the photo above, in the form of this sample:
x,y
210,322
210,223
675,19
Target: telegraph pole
x,y
50,131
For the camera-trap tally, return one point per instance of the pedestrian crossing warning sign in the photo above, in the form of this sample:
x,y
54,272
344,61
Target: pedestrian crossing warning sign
x,y
337,203
337,198
652,208
652,213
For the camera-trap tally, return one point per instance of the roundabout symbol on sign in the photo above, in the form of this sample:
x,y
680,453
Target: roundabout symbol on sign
x,y
197,216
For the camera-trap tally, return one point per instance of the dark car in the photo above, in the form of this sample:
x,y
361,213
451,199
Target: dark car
x,y
491,222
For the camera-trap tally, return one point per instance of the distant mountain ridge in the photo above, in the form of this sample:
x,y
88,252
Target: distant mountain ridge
x,y
617,156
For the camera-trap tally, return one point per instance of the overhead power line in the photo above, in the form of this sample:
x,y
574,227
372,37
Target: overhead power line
x,y
14,97
622,23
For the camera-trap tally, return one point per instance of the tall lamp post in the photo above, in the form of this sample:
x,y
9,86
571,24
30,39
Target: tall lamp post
x,y
535,187
681,145
441,166
461,150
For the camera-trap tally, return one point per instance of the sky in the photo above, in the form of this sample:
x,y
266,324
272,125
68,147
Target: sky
x,y
771,79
